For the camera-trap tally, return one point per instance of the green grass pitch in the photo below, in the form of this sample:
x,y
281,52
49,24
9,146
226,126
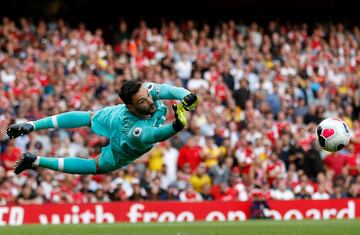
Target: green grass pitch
x,y
268,227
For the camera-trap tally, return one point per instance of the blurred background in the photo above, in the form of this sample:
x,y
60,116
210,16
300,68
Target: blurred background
x,y
107,14
267,73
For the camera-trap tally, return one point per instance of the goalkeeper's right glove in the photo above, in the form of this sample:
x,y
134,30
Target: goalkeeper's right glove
x,y
190,102
180,117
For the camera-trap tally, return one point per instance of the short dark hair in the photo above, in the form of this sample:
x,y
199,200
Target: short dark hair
x,y
128,89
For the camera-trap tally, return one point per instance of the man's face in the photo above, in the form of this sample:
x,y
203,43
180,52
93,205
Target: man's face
x,y
142,102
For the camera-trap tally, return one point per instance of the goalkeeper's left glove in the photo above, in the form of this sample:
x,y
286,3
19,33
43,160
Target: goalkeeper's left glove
x,y
190,102
180,117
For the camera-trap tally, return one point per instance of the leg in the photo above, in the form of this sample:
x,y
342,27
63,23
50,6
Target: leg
x,y
65,120
104,163
72,165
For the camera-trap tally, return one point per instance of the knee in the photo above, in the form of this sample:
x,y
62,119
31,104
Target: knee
x,y
102,170
98,169
91,116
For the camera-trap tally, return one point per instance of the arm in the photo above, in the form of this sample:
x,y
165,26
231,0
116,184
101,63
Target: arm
x,y
151,135
188,100
168,92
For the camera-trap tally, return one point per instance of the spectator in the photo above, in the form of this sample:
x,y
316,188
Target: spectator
x,y
320,194
259,207
335,162
170,157
190,153
10,155
338,192
190,195
184,176
274,101
310,116
28,196
197,82
220,173
354,190
240,188
304,189
172,193
312,162
155,162
281,192
183,69
139,193
206,193
223,192
211,153
242,94
101,196
200,178
273,167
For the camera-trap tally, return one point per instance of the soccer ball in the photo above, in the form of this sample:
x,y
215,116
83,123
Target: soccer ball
x,y
332,134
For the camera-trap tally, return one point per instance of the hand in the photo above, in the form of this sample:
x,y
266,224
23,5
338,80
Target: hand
x,y
180,117
190,102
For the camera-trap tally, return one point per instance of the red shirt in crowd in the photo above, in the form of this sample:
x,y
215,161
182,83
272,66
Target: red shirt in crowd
x,y
10,156
192,155
356,145
260,193
245,159
336,162
227,194
273,169
353,163
221,91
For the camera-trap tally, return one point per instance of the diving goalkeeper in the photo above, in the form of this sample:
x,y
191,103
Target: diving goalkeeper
x,y
132,128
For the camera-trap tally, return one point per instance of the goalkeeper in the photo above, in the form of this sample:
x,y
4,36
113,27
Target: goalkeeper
x,y
132,128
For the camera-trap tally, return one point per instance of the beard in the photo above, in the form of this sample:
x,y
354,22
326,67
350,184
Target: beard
x,y
149,111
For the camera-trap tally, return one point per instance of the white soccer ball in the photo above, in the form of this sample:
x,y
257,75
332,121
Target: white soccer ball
x,y
332,134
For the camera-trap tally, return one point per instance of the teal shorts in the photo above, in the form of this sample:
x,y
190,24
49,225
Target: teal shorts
x,y
109,160
100,124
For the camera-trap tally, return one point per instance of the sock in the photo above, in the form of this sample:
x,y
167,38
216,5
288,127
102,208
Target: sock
x,y
72,165
65,120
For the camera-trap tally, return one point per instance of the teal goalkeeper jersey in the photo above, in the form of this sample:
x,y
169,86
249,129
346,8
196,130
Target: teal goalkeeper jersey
x,y
130,137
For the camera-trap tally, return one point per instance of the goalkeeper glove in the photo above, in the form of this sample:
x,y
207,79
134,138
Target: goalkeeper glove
x,y
190,102
180,117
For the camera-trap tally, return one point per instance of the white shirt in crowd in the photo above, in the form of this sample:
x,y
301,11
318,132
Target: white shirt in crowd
x,y
183,69
195,84
282,195
184,197
165,181
242,193
238,74
308,188
320,196
6,77
170,160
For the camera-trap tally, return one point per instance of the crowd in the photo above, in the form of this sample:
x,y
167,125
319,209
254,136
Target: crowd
x,y
263,90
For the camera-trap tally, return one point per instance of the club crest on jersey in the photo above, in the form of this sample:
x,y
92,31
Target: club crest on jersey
x,y
137,131
158,91
150,87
